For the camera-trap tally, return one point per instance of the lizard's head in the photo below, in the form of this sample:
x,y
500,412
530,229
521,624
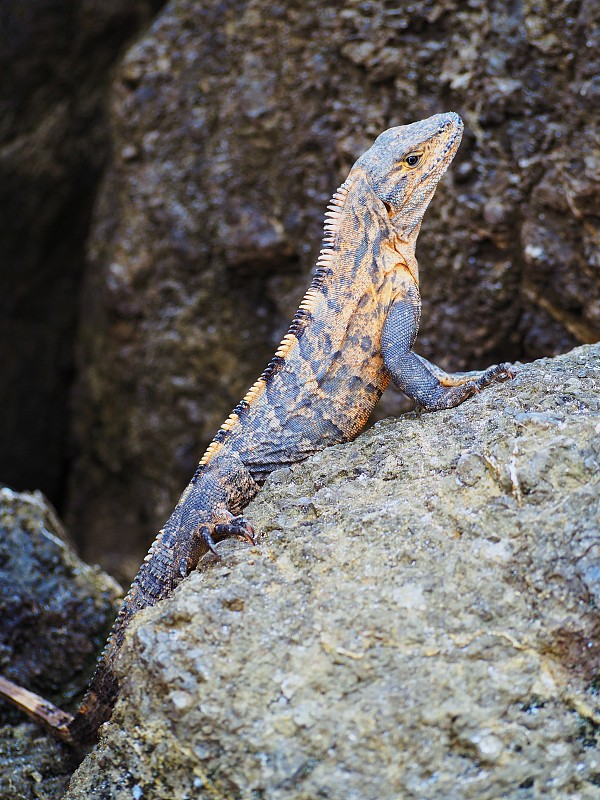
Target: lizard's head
x,y
404,165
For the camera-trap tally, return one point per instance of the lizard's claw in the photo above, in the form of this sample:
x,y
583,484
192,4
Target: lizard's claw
x,y
246,530
237,526
212,533
496,374
205,534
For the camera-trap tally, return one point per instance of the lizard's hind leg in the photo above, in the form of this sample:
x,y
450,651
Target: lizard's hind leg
x,y
232,526
206,535
205,514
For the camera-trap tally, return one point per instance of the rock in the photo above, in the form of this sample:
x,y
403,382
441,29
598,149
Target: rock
x,y
32,765
418,620
55,611
232,123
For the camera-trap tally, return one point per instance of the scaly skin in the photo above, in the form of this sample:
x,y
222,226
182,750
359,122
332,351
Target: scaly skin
x,y
353,332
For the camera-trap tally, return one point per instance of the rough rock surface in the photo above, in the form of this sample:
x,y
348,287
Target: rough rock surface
x,y
419,620
32,765
55,614
232,123
55,611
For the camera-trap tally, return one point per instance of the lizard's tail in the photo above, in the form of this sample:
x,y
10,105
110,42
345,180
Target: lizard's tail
x,y
155,581
54,719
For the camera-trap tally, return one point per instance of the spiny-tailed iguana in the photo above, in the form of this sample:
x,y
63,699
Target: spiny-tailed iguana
x,y
353,332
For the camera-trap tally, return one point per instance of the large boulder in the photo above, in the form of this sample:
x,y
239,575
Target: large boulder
x,y
232,123
55,610
55,614
419,620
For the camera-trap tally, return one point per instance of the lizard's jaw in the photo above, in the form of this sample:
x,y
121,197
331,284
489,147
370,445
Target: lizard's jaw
x,y
442,149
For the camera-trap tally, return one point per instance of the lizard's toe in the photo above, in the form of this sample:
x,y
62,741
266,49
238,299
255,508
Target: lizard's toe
x,y
247,531
499,373
506,372
238,526
207,537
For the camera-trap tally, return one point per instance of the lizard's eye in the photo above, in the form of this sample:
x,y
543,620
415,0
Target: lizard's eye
x,y
412,159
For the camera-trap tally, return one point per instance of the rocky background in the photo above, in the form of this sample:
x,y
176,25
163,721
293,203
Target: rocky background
x,y
55,615
162,211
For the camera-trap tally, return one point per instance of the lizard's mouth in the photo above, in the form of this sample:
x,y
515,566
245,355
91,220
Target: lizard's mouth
x,y
419,196
442,162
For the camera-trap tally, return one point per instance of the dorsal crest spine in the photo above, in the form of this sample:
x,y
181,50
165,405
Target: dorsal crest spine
x,y
302,318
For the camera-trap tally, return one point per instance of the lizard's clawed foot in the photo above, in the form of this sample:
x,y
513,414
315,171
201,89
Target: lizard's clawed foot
x,y
496,374
451,392
235,526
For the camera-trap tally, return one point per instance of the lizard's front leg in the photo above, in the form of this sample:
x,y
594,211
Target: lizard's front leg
x,y
493,374
431,388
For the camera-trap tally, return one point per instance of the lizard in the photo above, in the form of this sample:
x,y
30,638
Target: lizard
x,y
353,333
